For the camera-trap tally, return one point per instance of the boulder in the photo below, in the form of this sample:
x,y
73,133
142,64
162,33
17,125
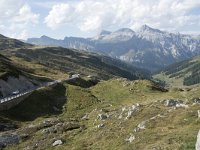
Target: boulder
x,y
198,141
57,142
128,111
85,117
102,116
131,110
130,139
197,100
178,105
172,102
141,125
7,139
101,125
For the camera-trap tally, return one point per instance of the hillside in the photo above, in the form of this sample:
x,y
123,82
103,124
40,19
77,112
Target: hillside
x,y
114,114
147,48
73,61
9,43
108,113
14,77
183,73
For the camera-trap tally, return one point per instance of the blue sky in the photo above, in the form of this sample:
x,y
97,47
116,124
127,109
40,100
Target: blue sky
x,y
86,18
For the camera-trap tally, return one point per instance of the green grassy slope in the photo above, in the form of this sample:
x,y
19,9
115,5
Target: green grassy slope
x,y
9,43
175,129
9,68
183,73
73,61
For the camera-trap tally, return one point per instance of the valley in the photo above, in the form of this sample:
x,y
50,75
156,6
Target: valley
x,y
110,105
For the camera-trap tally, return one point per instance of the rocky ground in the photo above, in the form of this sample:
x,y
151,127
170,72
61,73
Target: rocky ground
x,y
114,114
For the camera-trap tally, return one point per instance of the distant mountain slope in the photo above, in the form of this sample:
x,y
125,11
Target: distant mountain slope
x,y
72,61
188,71
147,48
15,78
9,43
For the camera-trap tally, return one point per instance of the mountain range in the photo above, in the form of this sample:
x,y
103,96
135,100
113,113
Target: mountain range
x,y
147,48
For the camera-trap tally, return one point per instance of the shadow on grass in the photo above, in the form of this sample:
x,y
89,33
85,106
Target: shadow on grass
x,y
83,83
41,103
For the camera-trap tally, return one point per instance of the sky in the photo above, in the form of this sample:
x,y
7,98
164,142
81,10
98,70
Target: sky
x,y
24,19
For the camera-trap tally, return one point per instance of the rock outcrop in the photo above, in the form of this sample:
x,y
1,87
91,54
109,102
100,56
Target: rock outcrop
x,y
57,142
8,139
13,84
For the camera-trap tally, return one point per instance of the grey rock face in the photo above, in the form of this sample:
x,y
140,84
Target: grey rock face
x,y
13,84
7,139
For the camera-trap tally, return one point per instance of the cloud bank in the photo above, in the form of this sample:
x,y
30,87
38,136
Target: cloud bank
x,y
90,15
16,17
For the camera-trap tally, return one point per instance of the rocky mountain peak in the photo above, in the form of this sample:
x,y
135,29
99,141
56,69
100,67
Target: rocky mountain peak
x,y
146,28
45,37
1,36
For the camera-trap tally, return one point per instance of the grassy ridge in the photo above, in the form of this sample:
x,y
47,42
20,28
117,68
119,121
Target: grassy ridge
x,y
9,43
67,60
176,130
183,73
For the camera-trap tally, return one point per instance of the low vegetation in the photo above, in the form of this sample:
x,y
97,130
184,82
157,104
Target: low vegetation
x,y
68,60
184,73
100,110
165,127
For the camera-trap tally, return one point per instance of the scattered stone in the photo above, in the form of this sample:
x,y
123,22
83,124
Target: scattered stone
x,y
197,100
198,141
141,125
49,130
131,110
198,113
102,116
85,117
136,129
101,125
171,102
130,139
181,106
57,142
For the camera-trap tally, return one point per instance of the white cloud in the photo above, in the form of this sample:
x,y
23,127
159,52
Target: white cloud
x,y
22,34
59,15
25,15
89,15
16,17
